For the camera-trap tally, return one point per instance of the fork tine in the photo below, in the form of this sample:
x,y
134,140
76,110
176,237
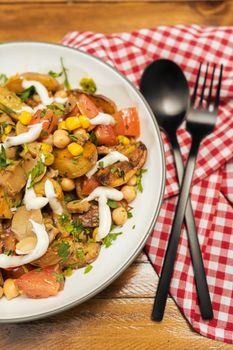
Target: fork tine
x,y
196,87
204,85
211,87
217,98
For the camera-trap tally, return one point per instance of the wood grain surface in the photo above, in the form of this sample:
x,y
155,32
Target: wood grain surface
x,y
50,22
119,317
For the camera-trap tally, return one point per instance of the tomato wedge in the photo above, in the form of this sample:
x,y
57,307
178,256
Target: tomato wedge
x,y
39,284
105,135
89,185
127,122
49,118
87,107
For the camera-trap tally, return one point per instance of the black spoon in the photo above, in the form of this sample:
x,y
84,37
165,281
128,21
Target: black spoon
x,y
165,87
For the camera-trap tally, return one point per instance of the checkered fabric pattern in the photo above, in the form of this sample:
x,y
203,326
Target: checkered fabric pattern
x,y
212,188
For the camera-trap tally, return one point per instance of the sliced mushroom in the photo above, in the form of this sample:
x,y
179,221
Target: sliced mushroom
x,y
10,100
40,191
78,206
21,225
13,178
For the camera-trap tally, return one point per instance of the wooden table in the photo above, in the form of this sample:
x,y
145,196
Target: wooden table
x,y
119,317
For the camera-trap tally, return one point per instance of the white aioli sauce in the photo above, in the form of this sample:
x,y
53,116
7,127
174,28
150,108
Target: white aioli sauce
x,y
109,159
102,194
42,92
31,135
31,201
52,198
39,250
103,119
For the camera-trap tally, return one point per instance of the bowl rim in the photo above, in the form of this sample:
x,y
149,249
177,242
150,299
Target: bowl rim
x,y
142,242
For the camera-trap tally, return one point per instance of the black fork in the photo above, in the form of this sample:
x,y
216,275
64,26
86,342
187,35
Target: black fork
x,y
200,122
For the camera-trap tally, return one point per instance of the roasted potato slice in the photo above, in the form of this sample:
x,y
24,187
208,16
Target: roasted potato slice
x,y
107,105
120,172
72,167
14,83
9,100
78,255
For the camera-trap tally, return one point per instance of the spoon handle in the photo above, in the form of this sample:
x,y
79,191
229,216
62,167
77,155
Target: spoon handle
x,y
169,261
196,256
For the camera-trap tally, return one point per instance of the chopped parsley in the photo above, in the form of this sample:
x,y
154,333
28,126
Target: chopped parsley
x,y
27,93
107,241
64,71
4,162
63,218
139,179
70,196
59,277
57,108
129,215
54,74
88,268
64,250
74,228
101,164
59,74
68,271
88,85
3,79
93,138
118,171
3,125
73,137
80,253
133,227
6,109
36,171
8,252
112,204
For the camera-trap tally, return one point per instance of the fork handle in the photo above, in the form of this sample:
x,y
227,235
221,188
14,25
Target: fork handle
x,y
196,256
169,260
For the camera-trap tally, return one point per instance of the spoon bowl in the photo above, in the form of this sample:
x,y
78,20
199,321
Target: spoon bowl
x,y
165,87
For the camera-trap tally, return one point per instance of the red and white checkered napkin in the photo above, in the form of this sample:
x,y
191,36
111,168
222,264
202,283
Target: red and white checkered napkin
x,y
212,190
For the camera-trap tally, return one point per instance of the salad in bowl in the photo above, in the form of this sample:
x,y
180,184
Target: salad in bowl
x,y
71,164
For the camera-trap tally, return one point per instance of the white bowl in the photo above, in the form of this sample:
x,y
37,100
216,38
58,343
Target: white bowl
x,y
42,57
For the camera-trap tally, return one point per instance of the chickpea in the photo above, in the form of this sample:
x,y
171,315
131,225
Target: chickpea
x,y
10,289
67,184
129,193
119,216
81,135
36,98
132,181
1,292
61,138
61,93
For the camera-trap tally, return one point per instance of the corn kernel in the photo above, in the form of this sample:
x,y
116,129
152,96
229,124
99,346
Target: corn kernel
x,y
75,149
72,123
45,147
62,125
49,158
4,138
25,117
84,121
94,234
7,129
123,140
